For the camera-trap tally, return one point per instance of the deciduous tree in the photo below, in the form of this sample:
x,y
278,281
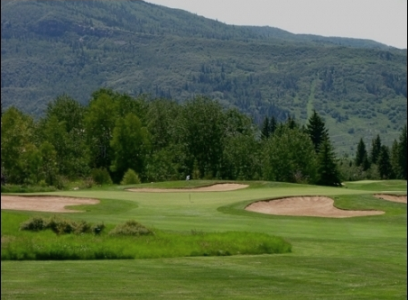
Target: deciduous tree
x,y
130,145
289,156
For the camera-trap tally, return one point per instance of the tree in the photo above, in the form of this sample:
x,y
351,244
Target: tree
x,y
361,156
162,122
316,130
403,152
384,164
291,123
100,120
63,127
49,169
394,160
17,135
289,156
327,169
375,149
165,164
67,110
202,126
130,145
240,158
273,124
265,128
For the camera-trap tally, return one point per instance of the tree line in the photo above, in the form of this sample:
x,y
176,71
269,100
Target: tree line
x,y
162,140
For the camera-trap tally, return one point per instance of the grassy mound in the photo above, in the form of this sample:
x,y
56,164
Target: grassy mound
x,y
63,239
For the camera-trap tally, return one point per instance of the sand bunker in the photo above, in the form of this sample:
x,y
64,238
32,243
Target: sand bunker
x,y
224,187
393,198
45,204
306,206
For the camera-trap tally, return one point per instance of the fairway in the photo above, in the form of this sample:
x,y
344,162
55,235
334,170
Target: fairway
x,y
344,258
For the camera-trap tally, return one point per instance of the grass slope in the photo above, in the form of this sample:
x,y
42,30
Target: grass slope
x,y
357,258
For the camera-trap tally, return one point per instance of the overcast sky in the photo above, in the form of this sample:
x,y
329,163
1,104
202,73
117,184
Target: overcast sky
x,y
384,21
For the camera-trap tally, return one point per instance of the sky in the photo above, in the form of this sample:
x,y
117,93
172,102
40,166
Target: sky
x,y
384,21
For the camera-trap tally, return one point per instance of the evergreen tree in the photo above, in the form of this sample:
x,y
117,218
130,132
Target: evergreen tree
x,y
273,124
316,130
291,123
327,169
394,159
384,164
403,152
265,128
375,149
361,156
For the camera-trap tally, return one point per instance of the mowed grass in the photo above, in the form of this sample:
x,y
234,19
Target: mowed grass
x,y
354,258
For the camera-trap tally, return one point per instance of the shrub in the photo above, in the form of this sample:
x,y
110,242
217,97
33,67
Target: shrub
x,y
34,224
61,226
83,227
101,176
131,228
64,227
42,183
130,177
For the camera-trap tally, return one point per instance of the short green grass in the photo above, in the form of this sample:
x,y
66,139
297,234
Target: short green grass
x,y
378,185
355,258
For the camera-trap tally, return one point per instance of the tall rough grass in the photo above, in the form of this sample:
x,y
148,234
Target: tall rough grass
x,y
130,241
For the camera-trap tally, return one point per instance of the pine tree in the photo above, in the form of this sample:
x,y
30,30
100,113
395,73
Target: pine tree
x,y
361,156
394,159
375,149
291,123
265,128
403,152
328,173
384,164
273,124
316,130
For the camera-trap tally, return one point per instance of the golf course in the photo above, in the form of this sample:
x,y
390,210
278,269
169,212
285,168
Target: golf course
x,y
210,240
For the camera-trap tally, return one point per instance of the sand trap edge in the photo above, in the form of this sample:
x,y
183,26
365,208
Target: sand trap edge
x,y
44,203
322,207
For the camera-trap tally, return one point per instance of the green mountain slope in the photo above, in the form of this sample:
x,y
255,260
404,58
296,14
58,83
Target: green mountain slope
x,y
75,47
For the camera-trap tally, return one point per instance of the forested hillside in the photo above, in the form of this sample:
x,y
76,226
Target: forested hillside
x,y
75,47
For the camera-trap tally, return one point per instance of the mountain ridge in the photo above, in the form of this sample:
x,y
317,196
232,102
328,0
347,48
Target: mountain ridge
x,y
358,86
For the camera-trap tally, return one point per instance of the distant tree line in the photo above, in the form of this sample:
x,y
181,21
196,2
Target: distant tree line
x,y
382,161
162,140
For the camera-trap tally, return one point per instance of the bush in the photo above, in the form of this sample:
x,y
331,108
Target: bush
x,y
34,224
131,228
130,177
101,176
61,226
